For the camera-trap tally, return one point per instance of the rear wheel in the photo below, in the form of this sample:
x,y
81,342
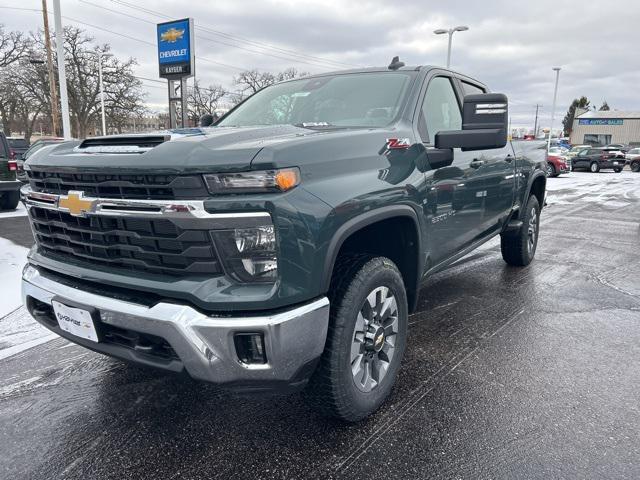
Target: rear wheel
x,y
594,167
519,247
10,200
617,170
635,166
366,339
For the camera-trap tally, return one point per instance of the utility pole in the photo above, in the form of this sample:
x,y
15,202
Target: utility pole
x,y
535,124
62,74
553,109
53,91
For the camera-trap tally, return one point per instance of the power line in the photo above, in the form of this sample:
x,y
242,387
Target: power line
x,y
309,59
124,35
288,58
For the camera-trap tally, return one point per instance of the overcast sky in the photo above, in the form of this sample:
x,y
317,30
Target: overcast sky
x,y
511,45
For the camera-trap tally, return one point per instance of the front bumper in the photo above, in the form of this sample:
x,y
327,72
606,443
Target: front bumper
x,y
204,344
10,185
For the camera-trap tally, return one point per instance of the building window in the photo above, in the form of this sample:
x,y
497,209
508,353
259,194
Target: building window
x,y
597,140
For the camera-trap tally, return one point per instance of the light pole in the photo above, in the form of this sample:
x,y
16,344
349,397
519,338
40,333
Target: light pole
x,y
62,74
450,31
100,57
553,108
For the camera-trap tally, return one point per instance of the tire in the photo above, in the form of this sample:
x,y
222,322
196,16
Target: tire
x,y
551,170
635,166
617,170
519,247
594,167
10,200
336,388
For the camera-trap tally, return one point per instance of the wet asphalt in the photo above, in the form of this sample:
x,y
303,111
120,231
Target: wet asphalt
x,y
509,373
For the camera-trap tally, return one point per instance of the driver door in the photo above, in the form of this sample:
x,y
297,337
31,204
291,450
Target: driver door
x,y
454,205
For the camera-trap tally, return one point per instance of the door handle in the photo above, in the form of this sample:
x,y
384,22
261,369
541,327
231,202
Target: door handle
x,y
475,163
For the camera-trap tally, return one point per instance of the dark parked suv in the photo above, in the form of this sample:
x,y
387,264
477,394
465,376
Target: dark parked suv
x,y
9,186
596,159
285,246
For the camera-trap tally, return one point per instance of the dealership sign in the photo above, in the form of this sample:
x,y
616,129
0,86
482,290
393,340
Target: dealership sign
x,y
175,48
600,121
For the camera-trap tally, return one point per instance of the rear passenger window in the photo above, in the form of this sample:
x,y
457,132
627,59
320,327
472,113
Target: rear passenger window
x,y
470,89
3,151
440,109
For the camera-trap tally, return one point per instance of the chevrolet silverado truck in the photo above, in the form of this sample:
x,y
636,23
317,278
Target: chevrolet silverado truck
x,y
9,185
285,246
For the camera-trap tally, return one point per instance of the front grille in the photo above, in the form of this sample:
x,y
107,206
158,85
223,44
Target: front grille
x,y
134,244
147,187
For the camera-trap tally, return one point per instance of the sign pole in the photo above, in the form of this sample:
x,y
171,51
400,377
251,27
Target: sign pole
x,y
183,102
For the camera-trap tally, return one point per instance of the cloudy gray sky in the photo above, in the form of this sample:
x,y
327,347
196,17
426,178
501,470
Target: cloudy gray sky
x,y
511,45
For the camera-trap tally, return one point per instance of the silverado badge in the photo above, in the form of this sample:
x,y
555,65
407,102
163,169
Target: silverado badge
x,y
75,203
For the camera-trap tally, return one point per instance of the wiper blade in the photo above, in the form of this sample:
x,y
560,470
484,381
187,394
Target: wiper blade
x,y
315,125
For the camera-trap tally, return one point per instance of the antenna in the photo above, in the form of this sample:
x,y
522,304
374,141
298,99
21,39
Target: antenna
x,y
396,63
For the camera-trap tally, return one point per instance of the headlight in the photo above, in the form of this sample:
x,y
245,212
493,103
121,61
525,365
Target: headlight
x,y
253,182
249,254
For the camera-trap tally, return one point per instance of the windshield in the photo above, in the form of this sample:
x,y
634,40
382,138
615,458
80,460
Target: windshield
x,y
349,100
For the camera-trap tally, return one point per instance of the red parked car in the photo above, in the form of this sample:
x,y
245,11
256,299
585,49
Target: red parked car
x,y
556,164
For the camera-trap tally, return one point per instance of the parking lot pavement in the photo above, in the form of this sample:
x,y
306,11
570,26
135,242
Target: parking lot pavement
x,y
509,373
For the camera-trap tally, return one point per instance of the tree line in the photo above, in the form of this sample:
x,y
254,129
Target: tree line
x,y
25,99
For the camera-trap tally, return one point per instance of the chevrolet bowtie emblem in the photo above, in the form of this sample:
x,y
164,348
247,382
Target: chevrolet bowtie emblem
x,y
75,203
172,35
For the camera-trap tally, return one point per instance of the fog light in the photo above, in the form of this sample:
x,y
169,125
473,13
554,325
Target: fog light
x,y
250,348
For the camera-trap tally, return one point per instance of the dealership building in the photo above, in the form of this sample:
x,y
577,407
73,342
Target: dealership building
x,y
601,128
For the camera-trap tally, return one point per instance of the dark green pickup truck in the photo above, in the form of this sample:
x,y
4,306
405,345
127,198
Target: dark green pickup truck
x,y
285,246
9,185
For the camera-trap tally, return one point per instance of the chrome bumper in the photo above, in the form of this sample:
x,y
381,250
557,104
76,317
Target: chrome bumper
x,y
205,344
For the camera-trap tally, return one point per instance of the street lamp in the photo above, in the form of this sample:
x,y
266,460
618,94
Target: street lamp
x,y
553,108
100,57
450,31
62,74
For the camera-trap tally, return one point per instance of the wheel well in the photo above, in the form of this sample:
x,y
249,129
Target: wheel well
x,y
537,188
395,238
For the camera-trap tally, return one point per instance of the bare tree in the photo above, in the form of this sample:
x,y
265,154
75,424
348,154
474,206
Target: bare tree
x,y
252,81
202,100
123,94
13,47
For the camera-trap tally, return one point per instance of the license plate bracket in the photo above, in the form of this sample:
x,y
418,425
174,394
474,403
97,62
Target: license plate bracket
x,y
79,322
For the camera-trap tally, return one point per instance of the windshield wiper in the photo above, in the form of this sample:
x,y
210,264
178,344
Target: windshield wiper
x,y
315,125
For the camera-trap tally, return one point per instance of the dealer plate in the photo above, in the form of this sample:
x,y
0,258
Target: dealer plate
x,y
76,321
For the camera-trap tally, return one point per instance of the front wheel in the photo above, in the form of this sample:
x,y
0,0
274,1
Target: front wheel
x,y
635,166
617,170
551,170
519,247
366,339
594,167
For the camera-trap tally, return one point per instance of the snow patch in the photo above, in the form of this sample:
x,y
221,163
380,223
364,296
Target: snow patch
x,y
12,259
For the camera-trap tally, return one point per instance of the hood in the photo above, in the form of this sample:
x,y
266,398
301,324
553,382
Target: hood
x,y
214,149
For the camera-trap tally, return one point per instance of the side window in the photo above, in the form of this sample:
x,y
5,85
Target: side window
x,y
470,89
3,151
440,109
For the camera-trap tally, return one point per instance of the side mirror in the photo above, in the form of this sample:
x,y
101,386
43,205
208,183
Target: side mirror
x,y
485,120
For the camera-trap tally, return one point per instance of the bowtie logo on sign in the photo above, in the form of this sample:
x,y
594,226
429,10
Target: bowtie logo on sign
x,y
172,35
